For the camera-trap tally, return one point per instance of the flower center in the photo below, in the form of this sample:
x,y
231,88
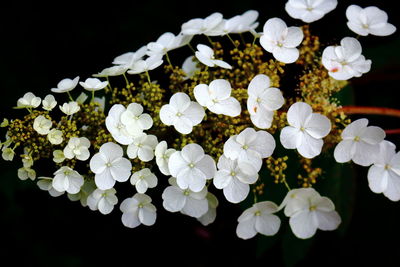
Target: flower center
x,y
309,9
178,114
279,44
108,164
186,192
140,205
258,100
191,165
139,145
313,207
365,26
245,147
104,194
120,126
302,129
257,213
141,177
387,167
357,138
233,173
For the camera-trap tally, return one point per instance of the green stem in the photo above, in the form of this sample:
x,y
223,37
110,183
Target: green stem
x,y
92,95
168,60
286,184
209,39
230,38
191,48
126,79
254,40
255,196
148,77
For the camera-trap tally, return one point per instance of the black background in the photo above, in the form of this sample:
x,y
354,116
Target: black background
x,y
42,43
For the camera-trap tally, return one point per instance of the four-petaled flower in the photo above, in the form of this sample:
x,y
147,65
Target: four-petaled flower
x,y
281,40
305,130
163,153
142,147
77,147
102,200
191,167
143,179
149,63
70,108
42,125
109,166
135,120
93,84
182,113
206,56
66,85
309,11
217,98
202,26
49,102
29,100
138,210
67,179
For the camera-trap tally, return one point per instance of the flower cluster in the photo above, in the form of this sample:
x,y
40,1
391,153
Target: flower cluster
x,y
223,120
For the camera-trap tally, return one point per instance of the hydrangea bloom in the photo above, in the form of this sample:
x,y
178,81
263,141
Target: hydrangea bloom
x,y
148,64
384,174
360,143
66,85
202,26
102,200
46,184
26,172
345,61
138,210
70,108
109,166
249,147
191,167
55,136
308,211
93,84
135,120
29,100
165,43
309,10
49,102
143,179
305,130
66,179
233,180
369,20
217,98
42,125
281,40
182,113
246,22
111,71
263,100
259,218
116,127
211,214
206,56
186,201
128,59
163,153
77,147
142,147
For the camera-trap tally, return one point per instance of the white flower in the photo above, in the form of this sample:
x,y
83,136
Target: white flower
x,y
165,43
55,136
58,156
102,200
7,153
111,71
148,64
143,179
305,130
93,84
77,147
360,143
46,184
135,120
369,20
186,201
66,179
87,188
206,56
202,26
259,218
345,61
384,174
66,85
49,102
189,67
27,160
116,127
263,101
246,22
130,58
308,211
281,40
70,108
109,166
309,11
211,214
42,125
217,98
26,172
191,167
142,147
182,113
138,210
163,153
233,181
29,100
249,148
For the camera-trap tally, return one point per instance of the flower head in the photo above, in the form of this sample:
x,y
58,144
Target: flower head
x,y
260,218
66,85
93,84
263,101
309,11
206,56
26,172
77,147
281,40
111,71
42,125
217,98
115,126
135,120
246,22
165,43
138,210
142,147
202,26
369,20
49,102
360,143
128,59
163,153
29,100
211,214
191,167
67,179
384,174
143,179
109,166
148,64
70,108
102,200
182,113
345,61
46,184
305,130
55,136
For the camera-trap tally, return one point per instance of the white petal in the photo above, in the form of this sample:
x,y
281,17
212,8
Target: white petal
x,y
385,30
290,137
262,118
195,208
202,94
205,50
293,38
377,179
220,89
205,60
104,206
192,153
176,163
318,126
104,180
183,125
236,191
393,189
195,113
365,153
167,114
342,152
229,107
141,186
310,146
174,199
272,99
180,101
258,84
111,151
147,216
264,144
354,129
246,229
274,28
373,135
298,114
121,170
59,182
207,166
303,224
232,148
351,48
145,153
222,179
145,121
286,55
328,221
267,224
130,219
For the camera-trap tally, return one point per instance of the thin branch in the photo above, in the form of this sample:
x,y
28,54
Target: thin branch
x,y
371,110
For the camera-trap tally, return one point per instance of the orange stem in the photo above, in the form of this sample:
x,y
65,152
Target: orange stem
x,y
371,110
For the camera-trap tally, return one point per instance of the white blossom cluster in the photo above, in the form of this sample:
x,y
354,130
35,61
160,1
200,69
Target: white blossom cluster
x,y
190,170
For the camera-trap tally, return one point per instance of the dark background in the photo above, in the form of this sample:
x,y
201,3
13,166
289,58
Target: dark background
x,y
44,43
